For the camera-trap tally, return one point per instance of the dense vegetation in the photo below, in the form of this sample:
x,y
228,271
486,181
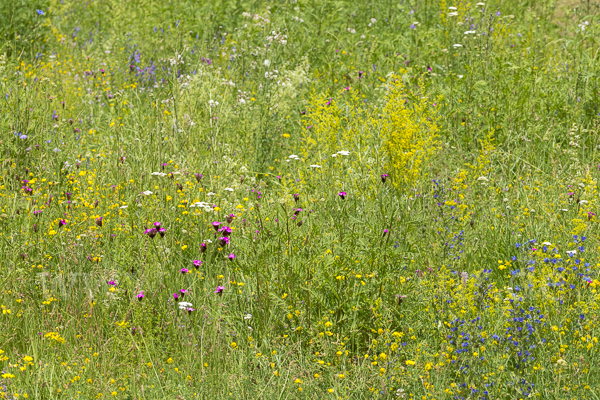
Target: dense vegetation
x,y
299,199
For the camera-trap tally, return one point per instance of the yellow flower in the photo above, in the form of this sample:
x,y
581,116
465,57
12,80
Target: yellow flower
x,y
233,344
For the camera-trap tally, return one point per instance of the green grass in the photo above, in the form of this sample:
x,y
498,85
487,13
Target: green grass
x,y
452,278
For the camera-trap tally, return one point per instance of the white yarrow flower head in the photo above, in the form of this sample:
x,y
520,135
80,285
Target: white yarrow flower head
x,y
146,193
123,207
315,166
334,155
266,63
457,45
453,14
183,305
247,316
229,189
571,253
210,194
159,174
343,153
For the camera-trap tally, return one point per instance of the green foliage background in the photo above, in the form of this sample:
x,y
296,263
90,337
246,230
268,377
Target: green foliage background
x,y
473,276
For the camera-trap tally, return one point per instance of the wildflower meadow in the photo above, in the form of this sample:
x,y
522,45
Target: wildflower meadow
x,y
299,199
